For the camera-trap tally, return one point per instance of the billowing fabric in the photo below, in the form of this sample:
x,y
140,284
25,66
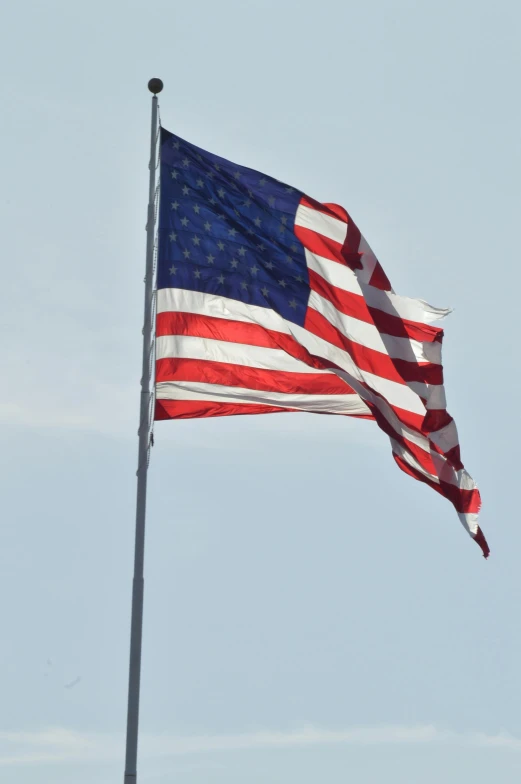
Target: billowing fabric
x,y
269,301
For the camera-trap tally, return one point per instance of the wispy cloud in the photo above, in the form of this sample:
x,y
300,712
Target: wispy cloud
x,y
58,745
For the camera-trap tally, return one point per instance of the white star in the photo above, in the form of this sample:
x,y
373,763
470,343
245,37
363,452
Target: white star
x,y
221,278
186,254
299,279
289,190
199,157
173,269
289,259
284,219
199,183
186,163
184,222
282,283
221,245
293,304
196,209
242,251
232,232
221,193
207,226
265,291
173,237
196,240
197,274
244,285
213,202
174,174
175,145
234,263
210,258
294,248
175,205
254,269
186,190
271,201
261,247
210,175
262,182
269,265
237,213
257,222
217,167
247,203
250,232
237,175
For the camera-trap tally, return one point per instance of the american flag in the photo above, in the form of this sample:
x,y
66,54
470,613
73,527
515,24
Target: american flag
x,y
269,301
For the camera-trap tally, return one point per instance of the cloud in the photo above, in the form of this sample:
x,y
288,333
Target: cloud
x,y
58,745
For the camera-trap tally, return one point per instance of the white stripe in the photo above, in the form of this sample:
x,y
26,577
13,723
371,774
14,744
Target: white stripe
x,y
191,347
435,396
212,305
409,308
397,394
191,390
254,356
334,273
446,437
366,334
322,224
470,522
470,519
444,471
184,301
344,278
368,261
399,450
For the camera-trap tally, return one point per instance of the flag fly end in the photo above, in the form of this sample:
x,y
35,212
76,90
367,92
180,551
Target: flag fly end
x,y
480,539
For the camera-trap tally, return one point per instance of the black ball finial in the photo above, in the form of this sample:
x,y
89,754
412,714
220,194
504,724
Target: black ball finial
x,y
155,86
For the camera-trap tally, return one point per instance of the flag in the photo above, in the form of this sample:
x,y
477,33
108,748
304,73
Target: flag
x,y
269,301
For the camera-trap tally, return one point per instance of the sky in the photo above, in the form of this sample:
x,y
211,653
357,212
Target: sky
x,y
311,613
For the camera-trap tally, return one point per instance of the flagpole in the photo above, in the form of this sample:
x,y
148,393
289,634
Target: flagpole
x,y
155,86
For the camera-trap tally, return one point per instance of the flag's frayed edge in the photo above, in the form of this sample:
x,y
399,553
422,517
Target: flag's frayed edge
x,y
480,539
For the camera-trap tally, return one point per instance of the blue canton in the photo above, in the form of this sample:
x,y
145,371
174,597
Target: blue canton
x,y
228,230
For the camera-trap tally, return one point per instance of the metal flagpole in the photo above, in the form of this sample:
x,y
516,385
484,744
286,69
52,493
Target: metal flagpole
x,y
155,86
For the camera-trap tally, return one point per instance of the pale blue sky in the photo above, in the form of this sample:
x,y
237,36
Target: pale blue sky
x,y
311,613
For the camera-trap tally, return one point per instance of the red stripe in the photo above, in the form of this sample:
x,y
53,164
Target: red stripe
x,y
454,457
415,423
398,370
436,419
333,210
379,279
480,539
403,328
368,359
319,245
355,305
172,323
349,253
229,375
464,501
193,409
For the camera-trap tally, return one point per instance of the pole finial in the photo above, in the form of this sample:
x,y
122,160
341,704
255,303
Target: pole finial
x,y
155,86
